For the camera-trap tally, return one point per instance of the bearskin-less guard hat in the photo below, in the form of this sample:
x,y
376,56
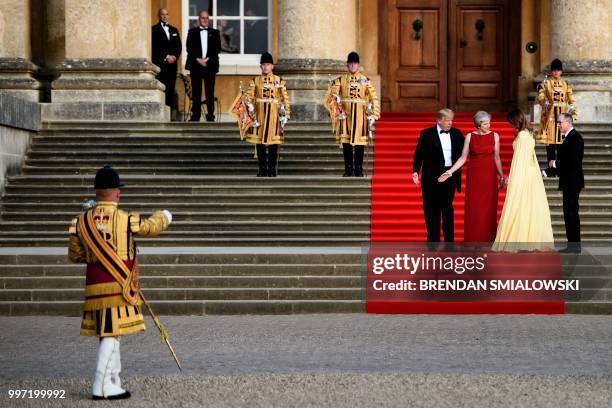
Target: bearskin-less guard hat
x,y
556,65
107,177
352,57
266,58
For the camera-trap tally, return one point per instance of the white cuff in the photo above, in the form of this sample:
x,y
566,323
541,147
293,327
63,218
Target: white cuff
x,y
168,216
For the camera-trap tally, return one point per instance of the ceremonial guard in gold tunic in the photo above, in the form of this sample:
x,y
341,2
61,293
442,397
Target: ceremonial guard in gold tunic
x,y
353,106
267,96
103,238
555,96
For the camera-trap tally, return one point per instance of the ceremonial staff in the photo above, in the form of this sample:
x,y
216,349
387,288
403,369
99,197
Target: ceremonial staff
x,y
164,334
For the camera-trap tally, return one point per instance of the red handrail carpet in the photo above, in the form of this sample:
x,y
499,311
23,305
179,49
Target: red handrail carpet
x,y
397,208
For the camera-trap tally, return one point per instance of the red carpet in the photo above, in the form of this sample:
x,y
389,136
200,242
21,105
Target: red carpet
x,y
397,208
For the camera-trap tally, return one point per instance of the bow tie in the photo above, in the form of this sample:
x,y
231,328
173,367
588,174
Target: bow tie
x,y
445,131
164,24
203,29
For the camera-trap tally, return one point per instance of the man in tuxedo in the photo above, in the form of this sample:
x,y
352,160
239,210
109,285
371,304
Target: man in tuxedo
x,y
437,149
165,50
571,179
203,48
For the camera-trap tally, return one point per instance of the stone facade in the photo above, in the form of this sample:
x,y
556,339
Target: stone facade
x,y
94,56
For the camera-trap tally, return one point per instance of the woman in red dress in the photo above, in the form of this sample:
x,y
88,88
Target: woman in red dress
x,y
482,148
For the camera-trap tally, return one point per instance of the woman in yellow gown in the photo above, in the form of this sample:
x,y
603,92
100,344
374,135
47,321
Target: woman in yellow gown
x,y
525,223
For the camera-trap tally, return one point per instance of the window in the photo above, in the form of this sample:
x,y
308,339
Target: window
x,y
244,26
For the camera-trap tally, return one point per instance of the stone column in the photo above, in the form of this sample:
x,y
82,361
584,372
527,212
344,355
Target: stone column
x,y
16,68
106,73
581,38
314,38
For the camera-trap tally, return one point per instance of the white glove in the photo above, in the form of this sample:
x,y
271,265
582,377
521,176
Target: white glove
x,y
168,216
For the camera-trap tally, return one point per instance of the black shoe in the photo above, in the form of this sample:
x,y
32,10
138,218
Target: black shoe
x,y
348,172
261,173
125,395
272,172
210,118
358,172
194,119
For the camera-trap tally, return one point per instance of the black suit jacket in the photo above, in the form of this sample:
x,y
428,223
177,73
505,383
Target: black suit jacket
x,y
194,49
569,162
161,46
428,155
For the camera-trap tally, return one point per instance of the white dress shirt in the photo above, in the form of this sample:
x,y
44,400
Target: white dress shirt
x,y
447,147
166,30
204,41
568,132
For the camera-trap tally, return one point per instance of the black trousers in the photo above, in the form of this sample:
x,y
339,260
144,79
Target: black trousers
x,y
571,216
167,76
209,77
438,203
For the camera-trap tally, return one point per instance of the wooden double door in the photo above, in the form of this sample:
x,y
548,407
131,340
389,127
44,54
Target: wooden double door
x,y
461,54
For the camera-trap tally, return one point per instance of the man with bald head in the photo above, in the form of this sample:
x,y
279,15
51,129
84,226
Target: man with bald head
x,y
165,51
203,48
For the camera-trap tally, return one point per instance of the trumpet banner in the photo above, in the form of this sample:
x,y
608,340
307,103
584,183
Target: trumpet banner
x,y
240,112
332,106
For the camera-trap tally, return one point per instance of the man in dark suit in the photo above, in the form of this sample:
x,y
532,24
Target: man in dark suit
x,y
203,48
165,50
571,179
437,149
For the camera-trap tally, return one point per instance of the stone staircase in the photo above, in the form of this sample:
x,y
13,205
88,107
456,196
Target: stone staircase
x,y
238,244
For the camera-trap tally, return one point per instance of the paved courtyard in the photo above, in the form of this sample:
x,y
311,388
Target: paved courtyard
x,y
326,360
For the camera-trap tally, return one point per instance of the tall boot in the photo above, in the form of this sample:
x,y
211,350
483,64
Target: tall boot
x,y
261,160
272,159
359,160
103,386
347,151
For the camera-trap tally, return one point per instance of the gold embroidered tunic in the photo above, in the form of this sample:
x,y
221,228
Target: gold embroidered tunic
x,y
105,311
355,91
560,98
266,92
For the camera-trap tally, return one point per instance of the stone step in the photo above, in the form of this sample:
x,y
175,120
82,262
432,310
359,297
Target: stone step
x,y
599,271
247,169
316,241
263,233
588,237
324,270
236,197
162,145
180,294
185,191
207,282
201,255
195,307
199,181
202,226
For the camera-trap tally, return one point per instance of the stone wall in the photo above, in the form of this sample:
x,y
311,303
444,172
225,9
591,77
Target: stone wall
x,y
19,121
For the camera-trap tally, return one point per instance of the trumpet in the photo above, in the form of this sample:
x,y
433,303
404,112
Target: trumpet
x,y
282,113
88,204
371,121
249,105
